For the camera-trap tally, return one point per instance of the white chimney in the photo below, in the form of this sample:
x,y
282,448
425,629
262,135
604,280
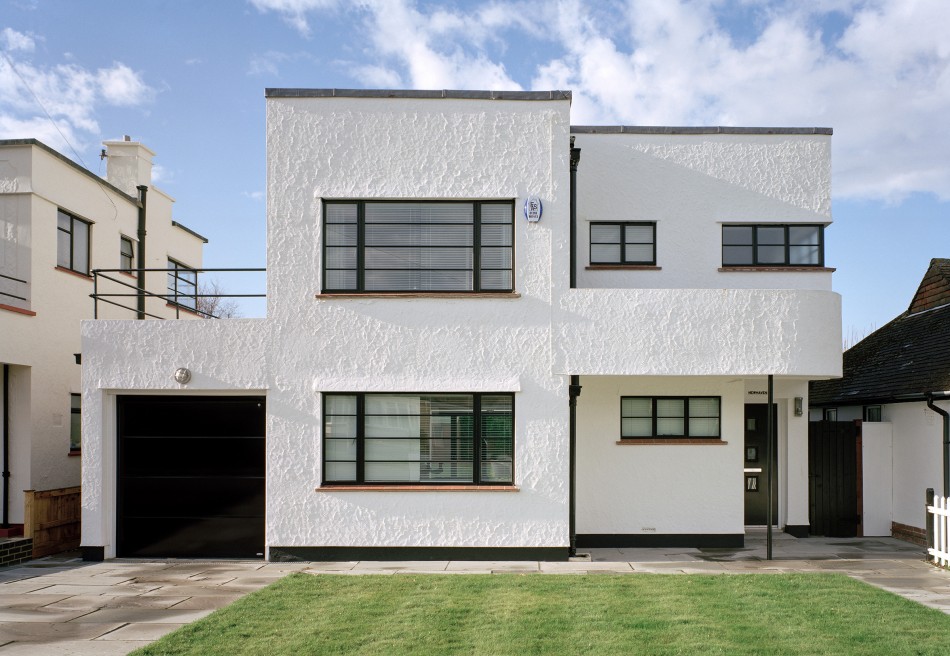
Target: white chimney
x,y
129,164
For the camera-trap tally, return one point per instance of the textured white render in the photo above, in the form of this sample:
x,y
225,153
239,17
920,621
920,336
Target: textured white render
x,y
690,184
34,184
527,343
877,469
918,457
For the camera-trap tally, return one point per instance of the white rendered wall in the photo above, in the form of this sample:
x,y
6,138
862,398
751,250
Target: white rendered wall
x,y
877,462
690,184
657,489
918,458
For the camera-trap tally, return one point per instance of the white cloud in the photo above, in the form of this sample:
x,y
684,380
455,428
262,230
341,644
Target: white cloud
x,y
12,40
70,94
294,12
253,195
877,71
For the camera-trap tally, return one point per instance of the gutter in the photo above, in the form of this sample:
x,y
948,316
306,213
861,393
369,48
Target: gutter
x,y
575,160
946,441
6,446
573,391
140,301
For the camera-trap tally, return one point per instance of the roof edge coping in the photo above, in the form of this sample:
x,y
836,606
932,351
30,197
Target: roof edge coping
x,y
416,93
190,231
720,129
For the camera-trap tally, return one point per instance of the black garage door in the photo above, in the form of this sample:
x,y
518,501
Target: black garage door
x,y
190,477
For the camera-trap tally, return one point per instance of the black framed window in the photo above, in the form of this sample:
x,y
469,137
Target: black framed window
x,y
873,413
418,246
830,414
182,285
418,438
623,243
75,422
126,254
670,416
72,242
770,244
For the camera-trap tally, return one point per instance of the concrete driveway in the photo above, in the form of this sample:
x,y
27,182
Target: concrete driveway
x,y
60,605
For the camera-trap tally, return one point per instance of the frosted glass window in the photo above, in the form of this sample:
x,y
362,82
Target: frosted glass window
x,y
772,245
669,417
623,243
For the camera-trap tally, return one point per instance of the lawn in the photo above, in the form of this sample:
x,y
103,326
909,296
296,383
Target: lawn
x,y
565,614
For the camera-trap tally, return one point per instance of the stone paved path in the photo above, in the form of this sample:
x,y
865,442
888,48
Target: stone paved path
x,y
60,605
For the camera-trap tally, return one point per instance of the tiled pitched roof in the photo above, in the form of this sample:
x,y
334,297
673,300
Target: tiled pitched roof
x,y
908,357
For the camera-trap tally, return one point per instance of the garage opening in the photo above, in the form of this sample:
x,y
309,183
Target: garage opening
x,y
190,477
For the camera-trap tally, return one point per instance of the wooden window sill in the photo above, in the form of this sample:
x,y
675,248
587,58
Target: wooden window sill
x,y
782,269
418,488
78,274
689,441
354,295
10,308
623,267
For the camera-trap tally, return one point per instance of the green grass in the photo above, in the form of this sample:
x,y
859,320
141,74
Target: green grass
x,y
565,615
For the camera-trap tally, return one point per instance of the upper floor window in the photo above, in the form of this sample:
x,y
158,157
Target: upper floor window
x,y
773,245
182,285
623,243
418,246
418,438
72,243
126,254
668,416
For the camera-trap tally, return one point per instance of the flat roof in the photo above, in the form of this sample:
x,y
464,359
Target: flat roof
x,y
58,155
416,93
660,129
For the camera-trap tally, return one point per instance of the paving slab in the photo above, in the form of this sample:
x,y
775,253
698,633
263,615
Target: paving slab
x,y
139,632
145,615
73,648
201,602
54,631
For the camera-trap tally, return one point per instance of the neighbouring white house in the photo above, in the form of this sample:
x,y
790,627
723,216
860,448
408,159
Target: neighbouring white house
x,y
896,384
58,223
489,334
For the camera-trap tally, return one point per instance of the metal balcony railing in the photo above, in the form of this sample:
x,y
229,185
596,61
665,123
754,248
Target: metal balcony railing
x,y
185,291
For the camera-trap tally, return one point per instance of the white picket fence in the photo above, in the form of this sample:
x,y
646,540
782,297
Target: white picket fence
x,y
940,549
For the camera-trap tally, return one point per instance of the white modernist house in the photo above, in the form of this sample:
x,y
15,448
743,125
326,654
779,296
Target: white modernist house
x,y
58,223
489,334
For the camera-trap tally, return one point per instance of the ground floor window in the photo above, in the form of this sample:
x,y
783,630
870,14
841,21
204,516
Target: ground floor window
x,y
872,413
418,438
669,416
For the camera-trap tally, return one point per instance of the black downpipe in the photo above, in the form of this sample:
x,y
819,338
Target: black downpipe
x,y
6,446
946,442
770,432
573,391
140,304
575,159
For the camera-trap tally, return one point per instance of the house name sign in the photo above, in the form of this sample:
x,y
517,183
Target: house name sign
x,y
533,209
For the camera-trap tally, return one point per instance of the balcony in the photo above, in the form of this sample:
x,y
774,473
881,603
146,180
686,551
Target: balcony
x,y
178,293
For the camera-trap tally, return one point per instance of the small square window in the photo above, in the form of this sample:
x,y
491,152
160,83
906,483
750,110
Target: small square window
x,y
623,243
873,413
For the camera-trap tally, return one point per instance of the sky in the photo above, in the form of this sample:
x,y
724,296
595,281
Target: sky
x,y
187,79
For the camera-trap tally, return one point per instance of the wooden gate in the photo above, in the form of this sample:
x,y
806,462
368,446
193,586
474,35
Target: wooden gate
x,y
834,478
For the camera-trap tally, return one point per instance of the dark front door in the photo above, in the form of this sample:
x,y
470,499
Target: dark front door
x,y
756,468
834,451
190,476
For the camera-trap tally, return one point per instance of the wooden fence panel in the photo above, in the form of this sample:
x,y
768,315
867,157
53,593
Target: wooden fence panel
x,y
52,520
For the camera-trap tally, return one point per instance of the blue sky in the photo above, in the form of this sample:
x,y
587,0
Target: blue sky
x,y
188,79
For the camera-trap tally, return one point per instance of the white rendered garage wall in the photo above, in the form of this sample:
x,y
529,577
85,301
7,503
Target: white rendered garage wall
x,y
690,184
